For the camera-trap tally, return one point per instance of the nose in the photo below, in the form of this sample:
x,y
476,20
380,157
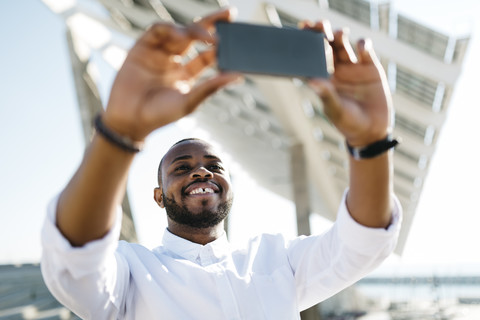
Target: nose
x,y
201,172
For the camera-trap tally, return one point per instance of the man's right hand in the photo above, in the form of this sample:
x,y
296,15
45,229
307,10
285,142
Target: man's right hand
x,y
155,86
152,89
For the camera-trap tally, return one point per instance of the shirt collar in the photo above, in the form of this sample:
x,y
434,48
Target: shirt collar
x,y
214,251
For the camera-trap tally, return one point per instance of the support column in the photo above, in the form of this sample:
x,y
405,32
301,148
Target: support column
x,y
300,188
89,104
301,196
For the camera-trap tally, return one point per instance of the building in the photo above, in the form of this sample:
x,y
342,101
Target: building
x,y
277,123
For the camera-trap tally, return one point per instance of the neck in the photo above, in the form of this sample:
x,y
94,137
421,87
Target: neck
x,y
197,235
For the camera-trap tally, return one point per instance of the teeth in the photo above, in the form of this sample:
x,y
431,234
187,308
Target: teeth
x,y
202,191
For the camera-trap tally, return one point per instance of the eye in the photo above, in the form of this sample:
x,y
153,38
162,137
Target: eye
x,y
182,167
215,167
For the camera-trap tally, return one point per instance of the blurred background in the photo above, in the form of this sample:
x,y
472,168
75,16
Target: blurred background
x,y
57,63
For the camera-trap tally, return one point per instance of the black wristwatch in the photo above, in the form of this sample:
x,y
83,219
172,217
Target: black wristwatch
x,y
372,150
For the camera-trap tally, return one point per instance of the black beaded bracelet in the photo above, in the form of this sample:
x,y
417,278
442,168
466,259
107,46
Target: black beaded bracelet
x,y
124,143
373,149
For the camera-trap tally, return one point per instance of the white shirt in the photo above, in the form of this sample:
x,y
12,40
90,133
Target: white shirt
x,y
270,278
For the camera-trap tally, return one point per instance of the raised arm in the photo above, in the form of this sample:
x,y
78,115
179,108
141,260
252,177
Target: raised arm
x,y
358,102
153,88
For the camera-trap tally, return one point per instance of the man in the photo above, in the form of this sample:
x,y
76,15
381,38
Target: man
x,y
195,274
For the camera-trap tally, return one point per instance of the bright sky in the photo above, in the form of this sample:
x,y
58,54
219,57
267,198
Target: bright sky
x,y
42,145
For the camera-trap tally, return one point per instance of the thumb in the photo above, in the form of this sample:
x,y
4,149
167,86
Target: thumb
x,y
331,100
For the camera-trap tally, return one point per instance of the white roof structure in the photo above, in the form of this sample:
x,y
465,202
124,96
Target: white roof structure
x,y
275,127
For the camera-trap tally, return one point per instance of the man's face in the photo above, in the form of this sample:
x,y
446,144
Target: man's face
x,y
195,185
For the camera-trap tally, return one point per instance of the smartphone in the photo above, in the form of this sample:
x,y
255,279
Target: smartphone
x,y
260,49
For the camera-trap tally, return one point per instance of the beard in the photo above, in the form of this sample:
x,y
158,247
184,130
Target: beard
x,y
204,219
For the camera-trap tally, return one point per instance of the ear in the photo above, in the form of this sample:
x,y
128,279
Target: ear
x,y
158,196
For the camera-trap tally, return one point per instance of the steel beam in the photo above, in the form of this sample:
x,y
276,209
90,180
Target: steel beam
x,y
301,198
89,104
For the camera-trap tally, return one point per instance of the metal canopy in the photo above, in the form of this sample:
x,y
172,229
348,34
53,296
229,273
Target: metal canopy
x,y
262,121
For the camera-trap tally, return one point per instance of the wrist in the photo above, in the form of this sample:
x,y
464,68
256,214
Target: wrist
x,y
125,123
361,140
117,137
373,149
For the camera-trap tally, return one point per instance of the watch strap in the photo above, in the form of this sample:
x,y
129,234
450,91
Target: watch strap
x,y
372,150
122,142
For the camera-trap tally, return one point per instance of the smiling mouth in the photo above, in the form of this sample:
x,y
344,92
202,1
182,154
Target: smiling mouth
x,y
201,191
199,188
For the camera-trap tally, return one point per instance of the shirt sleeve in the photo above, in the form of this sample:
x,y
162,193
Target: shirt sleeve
x,y
87,279
325,264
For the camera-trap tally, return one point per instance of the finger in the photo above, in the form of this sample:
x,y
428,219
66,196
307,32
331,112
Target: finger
x,y
369,59
225,14
366,54
357,73
200,33
177,39
342,49
157,33
155,60
171,38
346,90
203,29
208,87
203,60
320,26
331,100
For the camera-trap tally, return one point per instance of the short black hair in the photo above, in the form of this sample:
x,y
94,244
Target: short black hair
x,y
159,172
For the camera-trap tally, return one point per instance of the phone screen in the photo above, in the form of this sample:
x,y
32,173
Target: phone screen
x,y
270,50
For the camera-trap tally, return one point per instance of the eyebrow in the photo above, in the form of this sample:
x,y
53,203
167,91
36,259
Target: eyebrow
x,y
187,157
208,156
